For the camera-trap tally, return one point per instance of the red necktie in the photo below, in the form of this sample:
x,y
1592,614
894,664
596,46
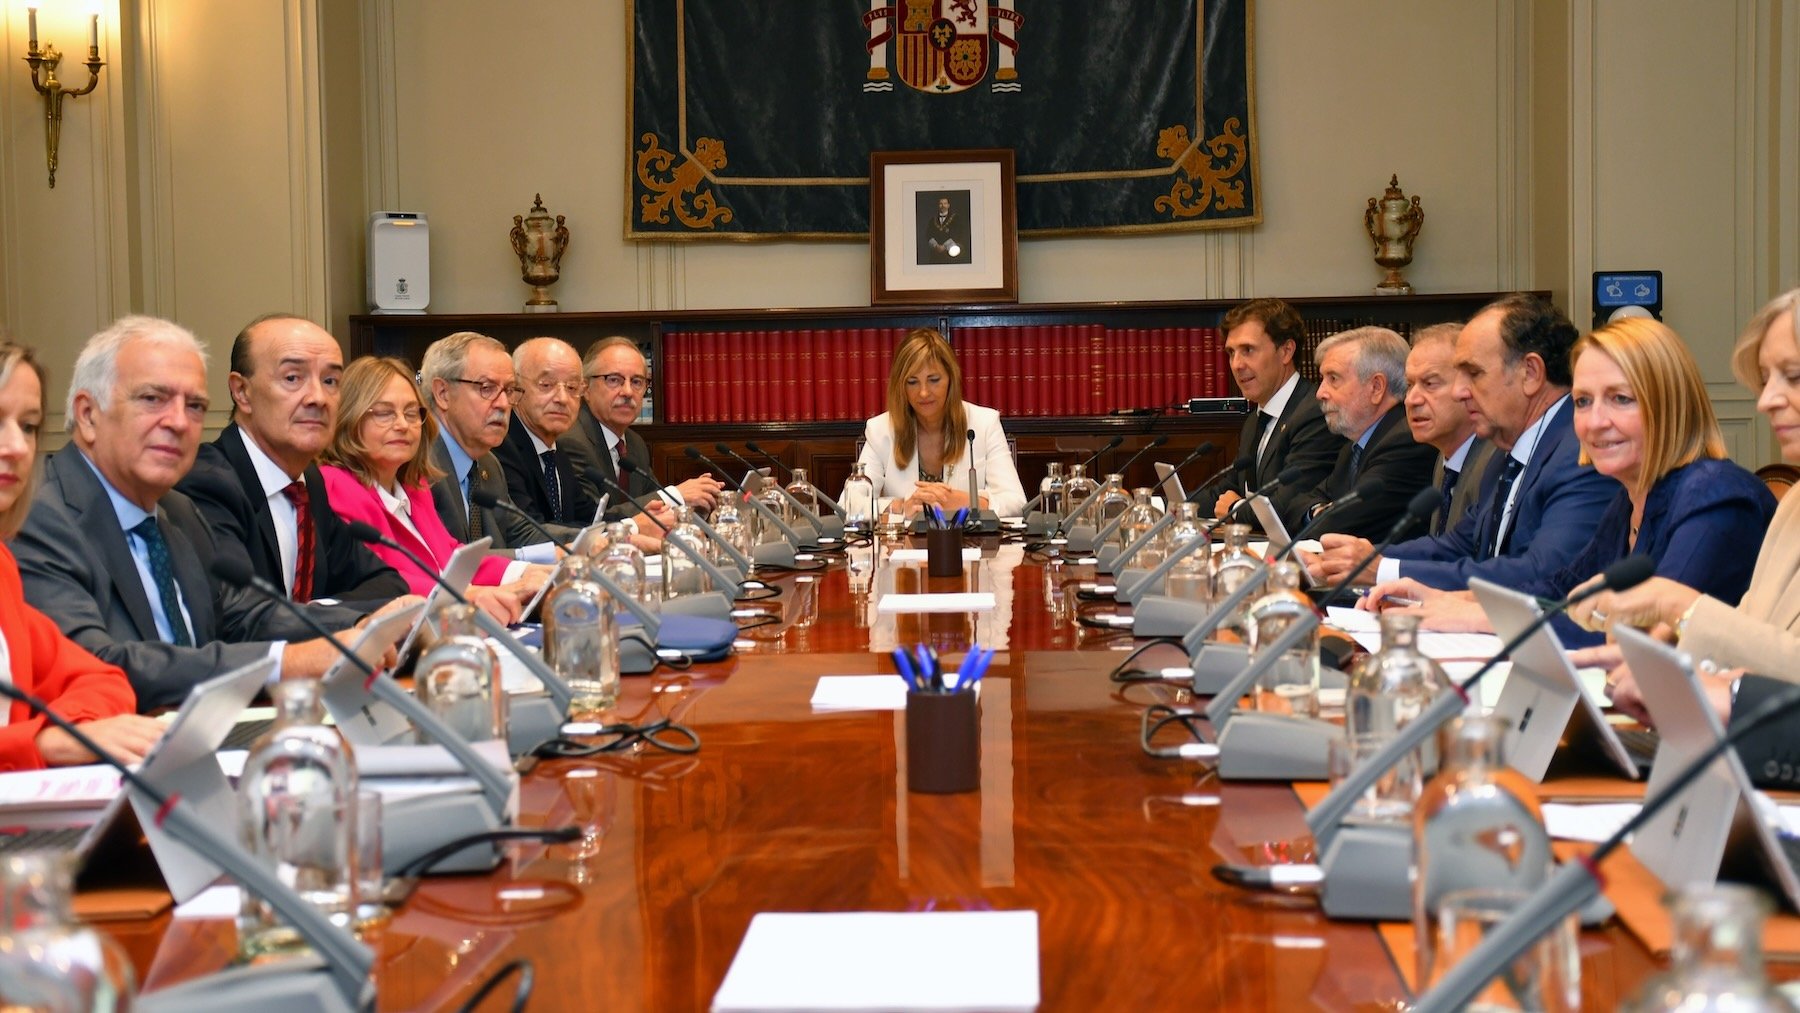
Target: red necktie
x,y
303,556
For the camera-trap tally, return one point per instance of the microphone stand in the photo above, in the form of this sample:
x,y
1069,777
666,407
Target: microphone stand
x,y
738,559
1081,542
782,557
830,503
1110,562
1039,524
719,576
812,520
295,984
980,520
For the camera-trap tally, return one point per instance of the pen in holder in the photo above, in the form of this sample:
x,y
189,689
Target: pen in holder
x,y
943,552
943,743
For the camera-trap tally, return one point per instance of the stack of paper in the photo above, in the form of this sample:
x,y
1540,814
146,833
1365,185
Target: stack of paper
x,y
962,601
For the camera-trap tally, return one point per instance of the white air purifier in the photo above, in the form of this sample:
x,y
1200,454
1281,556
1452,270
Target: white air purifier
x,y
399,262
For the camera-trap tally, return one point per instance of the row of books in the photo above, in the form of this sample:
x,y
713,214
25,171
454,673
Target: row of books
x,y
1053,370
1319,330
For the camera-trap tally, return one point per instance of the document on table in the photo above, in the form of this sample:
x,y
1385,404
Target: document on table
x,y
976,960
960,601
1591,823
58,789
859,693
969,553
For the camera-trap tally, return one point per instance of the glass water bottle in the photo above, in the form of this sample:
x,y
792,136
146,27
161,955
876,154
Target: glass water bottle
x,y
297,816
1140,517
1290,685
682,576
1477,826
1191,577
1387,691
458,678
48,960
735,527
1111,502
1078,488
858,502
802,490
622,563
1053,492
1717,956
581,638
1232,566
777,504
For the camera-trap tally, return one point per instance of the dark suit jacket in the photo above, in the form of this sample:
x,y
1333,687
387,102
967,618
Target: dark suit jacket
x,y
224,486
1468,482
524,470
507,529
78,570
1557,508
1391,456
1771,755
1301,440
585,443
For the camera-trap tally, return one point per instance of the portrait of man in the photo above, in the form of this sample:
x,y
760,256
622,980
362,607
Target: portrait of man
x,y
944,227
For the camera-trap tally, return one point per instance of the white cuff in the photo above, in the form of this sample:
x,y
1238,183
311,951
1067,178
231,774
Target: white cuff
x,y
542,552
1386,570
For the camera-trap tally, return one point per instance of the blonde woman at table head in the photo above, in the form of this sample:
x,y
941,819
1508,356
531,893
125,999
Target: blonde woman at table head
x,y
918,452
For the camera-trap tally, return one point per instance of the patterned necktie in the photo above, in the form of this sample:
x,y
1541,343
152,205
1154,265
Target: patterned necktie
x,y
1356,452
304,551
550,484
474,511
1447,490
1496,545
163,573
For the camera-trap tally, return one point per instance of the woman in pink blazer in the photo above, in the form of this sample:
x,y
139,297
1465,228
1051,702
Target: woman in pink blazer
x,y
378,470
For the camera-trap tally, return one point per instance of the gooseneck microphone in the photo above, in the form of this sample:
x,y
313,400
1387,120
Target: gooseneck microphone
x,y
804,516
236,571
1155,442
1326,817
348,961
1578,882
719,577
1244,463
830,503
1075,508
794,538
738,559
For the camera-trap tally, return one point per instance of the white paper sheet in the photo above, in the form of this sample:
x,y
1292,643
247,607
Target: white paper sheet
x,y
1352,620
85,787
961,601
1441,645
969,552
859,693
978,960
221,901
1591,823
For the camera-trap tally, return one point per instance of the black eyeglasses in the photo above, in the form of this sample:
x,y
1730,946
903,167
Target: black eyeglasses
x,y
488,390
615,381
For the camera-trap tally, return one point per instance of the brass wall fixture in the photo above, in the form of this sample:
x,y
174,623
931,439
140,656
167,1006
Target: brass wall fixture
x,y
43,78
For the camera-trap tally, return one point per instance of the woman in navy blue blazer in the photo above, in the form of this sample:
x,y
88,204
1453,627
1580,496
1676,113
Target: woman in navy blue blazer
x,y
1643,418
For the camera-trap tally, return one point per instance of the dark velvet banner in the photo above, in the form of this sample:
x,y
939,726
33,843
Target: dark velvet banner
x,y
756,119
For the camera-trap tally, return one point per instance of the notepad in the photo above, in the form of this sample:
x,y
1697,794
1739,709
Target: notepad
x,y
978,960
1441,645
1592,823
969,552
859,693
961,601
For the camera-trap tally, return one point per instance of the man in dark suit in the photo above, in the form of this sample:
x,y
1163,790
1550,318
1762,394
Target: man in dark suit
x,y
1436,417
1362,376
1538,504
617,378
258,485
470,381
539,476
1286,430
119,559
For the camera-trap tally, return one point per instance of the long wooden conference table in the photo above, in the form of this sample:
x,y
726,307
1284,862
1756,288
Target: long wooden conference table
x,y
788,809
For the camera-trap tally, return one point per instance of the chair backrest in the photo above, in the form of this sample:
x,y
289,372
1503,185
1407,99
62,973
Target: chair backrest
x,y
1779,477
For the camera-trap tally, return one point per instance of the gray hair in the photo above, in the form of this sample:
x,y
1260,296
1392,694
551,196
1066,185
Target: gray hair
x,y
1446,333
97,367
531,345
447,356
1378,351
604,345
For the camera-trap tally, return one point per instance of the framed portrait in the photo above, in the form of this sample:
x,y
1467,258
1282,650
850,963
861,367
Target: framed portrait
x,y
943,227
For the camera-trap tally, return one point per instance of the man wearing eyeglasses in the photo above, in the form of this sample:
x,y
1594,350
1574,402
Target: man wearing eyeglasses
x,y
618,378
538,473
471,384
258,485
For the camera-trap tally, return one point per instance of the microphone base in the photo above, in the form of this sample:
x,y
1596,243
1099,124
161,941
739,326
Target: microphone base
x,y
1082,539
1368,872
1216,665
709,605
1161,616
413,827
1106,557
637,656
1276,747
779,555
299,984
1040,525
532,719
1132,585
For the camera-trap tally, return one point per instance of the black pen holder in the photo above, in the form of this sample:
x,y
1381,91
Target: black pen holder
x,y
943,552
943,743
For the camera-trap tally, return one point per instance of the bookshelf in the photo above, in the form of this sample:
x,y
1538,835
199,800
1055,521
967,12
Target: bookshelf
x,y
801,381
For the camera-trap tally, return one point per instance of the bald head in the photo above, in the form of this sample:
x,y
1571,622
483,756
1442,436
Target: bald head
x,y
550,371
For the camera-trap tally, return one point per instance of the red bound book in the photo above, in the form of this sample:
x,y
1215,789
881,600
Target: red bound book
x,y
968,348
671,357
1030,350
700,375
1016,401
839,346
1062,372
1109,370
1093,369
686,374
877,349
797,396
751,345
728,348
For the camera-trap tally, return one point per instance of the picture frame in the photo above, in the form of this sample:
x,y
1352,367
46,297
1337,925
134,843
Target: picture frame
x,y
943,227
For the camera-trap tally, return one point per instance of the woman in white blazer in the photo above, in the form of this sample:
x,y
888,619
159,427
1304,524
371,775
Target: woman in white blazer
x,y
918,451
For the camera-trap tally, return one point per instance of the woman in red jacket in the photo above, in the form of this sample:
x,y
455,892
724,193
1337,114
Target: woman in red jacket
x,y
34,655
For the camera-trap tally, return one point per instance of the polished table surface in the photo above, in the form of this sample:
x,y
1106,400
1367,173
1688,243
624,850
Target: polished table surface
x,y
787,809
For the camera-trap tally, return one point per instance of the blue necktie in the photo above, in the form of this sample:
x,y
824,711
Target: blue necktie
x,y
1495,544
163,572
1448,490
1356,452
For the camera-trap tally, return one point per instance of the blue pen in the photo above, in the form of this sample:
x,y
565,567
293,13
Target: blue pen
x,y
968,665
962,514
906,669
927,680
981,667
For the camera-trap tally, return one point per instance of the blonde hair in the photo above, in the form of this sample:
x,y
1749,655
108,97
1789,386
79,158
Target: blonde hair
x,y
12,356
922,346
362,386
1679,425
1749,344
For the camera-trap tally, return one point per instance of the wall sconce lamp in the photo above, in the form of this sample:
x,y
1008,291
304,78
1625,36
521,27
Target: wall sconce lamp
x,y
53,91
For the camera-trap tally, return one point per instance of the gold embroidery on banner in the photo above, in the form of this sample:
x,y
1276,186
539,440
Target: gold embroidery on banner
x,y
668,194
1204,182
